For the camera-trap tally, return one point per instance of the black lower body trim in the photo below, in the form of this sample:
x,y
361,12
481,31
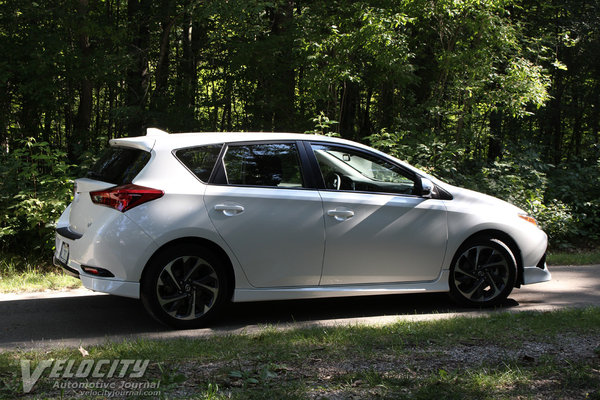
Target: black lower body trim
x,y
542,263
65,267
69,234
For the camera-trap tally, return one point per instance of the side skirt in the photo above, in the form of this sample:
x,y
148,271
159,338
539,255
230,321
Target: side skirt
x,y
315,292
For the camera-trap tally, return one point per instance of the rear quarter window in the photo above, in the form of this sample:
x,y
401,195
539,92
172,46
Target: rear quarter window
x,y
119,165
200,160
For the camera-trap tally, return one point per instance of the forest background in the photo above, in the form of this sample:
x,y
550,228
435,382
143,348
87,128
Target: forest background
x,y
501,96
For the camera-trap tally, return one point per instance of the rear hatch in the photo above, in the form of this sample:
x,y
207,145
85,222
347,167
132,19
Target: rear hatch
x,y
117,166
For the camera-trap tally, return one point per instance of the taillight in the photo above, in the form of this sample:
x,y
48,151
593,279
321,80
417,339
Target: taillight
x,y
125,197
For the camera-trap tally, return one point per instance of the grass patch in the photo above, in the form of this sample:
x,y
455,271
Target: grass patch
x,y
505,355
18,274
579,257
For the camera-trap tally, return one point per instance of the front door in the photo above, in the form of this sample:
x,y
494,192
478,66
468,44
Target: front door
x,y
377,230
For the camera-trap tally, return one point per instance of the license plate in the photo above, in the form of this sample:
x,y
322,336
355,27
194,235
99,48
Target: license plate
x,y
64,252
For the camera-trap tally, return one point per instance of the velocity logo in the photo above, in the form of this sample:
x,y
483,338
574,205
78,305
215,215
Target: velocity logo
x,y
96,369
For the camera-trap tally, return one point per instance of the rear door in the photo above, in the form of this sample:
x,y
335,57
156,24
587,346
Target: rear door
x,y
263,207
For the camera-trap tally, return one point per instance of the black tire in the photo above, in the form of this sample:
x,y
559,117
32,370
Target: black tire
x,y
483,273
184,286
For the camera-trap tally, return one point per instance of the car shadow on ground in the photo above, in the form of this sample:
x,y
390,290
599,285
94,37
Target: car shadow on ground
x,y
274,312
38,322
70,321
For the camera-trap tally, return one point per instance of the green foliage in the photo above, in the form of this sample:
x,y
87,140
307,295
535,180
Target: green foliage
x,y
563,200
431,155
323,126
527,83
498,95
35,190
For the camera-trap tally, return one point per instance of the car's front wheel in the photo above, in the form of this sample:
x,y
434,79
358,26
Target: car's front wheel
x,y
483,273
184,286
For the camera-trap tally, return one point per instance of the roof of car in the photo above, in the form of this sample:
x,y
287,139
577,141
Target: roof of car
x,y
157,139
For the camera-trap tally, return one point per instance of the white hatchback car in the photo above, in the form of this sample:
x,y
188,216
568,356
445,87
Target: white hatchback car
x,y
189,221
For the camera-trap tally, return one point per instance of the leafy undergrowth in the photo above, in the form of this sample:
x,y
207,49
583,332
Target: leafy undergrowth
x,y
18,274
552,355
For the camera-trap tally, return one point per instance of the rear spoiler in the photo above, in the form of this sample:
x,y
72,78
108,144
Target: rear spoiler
x,y
145,143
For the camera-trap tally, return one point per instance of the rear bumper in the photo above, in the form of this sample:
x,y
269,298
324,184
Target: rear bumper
x,y
112,286
112,242
105,285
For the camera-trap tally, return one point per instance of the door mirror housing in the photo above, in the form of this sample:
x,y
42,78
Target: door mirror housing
x,y
427,188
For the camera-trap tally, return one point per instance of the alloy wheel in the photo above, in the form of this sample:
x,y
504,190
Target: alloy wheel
x,y
187,287
481,273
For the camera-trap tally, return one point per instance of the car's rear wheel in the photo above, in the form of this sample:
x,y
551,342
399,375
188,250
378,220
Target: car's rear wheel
x,y
184,286
483,273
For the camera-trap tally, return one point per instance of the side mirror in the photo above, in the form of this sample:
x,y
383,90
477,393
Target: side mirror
x,y
427,188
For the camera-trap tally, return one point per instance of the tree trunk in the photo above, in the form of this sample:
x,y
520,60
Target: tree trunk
x,y
595,117
349,109
365,124
160,100
386,105
185,100
5,103
227,99
555,109
277,110
496,136
81,125
137,73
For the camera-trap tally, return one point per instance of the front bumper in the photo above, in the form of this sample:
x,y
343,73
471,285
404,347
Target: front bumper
x,y
536,274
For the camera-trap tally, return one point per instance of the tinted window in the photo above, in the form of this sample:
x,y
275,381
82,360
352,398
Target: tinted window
x,y
200,160
263,165
349,169
119,165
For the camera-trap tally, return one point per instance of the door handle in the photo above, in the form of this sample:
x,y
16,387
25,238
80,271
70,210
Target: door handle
x,y
229,209
340,215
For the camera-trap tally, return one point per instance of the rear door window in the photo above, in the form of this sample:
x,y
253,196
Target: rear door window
x,y
119,165
273,164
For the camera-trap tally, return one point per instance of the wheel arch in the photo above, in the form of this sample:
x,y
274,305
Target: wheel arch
x,y
504,238
212,246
